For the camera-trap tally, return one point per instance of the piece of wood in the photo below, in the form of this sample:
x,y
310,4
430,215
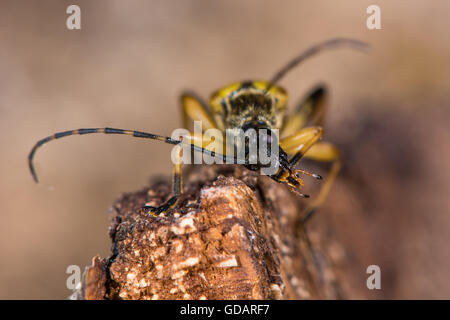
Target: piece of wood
x,y
233,235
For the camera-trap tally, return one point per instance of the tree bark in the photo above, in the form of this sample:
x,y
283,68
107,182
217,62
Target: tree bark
x,y
232,235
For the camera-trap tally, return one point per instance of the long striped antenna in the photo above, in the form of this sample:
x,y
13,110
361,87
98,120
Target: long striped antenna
x,y
133,133
330,44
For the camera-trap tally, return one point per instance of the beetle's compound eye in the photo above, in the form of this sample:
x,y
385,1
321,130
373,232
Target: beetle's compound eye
x,y
247,126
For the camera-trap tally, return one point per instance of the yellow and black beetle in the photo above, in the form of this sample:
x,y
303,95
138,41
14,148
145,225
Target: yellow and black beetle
x,y
255,105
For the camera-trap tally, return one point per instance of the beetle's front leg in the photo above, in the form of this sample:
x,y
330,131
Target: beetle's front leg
x,y
305,143
297,144
177,186
203,143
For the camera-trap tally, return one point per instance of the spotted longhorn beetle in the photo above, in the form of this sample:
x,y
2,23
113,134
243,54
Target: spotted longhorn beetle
x,y
252,105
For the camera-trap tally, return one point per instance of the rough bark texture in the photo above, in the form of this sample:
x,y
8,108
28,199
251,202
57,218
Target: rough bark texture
x,y
231,236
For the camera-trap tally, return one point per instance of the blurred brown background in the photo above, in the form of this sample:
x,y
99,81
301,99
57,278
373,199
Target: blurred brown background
x,y
126,67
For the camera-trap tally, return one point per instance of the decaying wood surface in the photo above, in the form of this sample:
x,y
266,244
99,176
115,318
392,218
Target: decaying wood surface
x,y
233,235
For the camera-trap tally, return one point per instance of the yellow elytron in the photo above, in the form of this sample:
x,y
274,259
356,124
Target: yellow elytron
x,y
250,105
